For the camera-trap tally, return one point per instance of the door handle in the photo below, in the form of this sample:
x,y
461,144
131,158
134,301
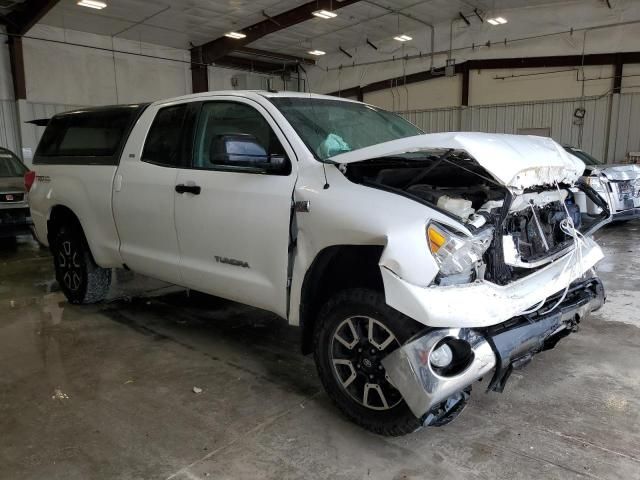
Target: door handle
x,y
194,189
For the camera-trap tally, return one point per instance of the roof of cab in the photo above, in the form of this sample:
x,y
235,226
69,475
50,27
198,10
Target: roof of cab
x,y
251,94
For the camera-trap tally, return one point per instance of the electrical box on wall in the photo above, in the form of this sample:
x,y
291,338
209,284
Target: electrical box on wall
x,y
450,68
249,82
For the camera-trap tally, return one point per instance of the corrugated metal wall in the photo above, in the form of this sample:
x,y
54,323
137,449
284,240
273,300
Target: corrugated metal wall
x,y
9,128
555,115
436,120
625,126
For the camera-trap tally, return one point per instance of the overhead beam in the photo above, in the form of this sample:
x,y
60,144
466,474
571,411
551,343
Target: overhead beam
x,y
18,22
218,48
498,63
276,56
254,65
25,15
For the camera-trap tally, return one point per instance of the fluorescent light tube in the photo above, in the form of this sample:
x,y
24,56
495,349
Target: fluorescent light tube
x,y
92,4
235,35
324,14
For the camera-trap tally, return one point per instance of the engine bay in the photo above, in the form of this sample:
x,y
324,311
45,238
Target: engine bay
x,y
530,229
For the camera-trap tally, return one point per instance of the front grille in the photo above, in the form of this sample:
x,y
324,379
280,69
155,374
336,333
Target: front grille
x,y
537,232
625,189
11,197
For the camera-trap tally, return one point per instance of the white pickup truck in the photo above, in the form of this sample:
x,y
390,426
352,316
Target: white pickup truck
x,y
414,264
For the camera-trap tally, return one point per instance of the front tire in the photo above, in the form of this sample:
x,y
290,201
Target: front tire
x,y
355,330
81,280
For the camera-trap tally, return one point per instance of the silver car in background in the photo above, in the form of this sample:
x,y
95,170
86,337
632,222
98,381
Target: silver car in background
x,y
15,218
619,184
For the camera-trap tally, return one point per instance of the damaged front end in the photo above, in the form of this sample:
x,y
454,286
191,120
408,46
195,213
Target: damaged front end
x,y
434,372
512,261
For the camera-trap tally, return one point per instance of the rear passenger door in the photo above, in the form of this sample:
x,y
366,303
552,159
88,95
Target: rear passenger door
x,y
232,218
144,192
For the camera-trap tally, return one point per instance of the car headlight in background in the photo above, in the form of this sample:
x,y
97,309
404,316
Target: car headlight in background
x,y
457,254
596,183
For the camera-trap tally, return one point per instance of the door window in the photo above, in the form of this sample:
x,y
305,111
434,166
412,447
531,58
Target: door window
x,y
235,136
164,142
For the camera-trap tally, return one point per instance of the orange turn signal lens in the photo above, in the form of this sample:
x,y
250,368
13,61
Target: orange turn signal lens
x,y
436,239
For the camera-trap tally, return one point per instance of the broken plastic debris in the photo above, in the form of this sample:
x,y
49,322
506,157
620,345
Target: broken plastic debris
x,y
59,395
197,390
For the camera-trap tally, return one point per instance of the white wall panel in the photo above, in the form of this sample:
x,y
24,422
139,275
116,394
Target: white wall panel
x,y
9,130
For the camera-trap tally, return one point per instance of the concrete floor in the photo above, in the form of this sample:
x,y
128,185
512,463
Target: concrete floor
x,y
107,392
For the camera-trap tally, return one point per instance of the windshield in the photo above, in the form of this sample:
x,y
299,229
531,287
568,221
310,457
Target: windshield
x,y
10,166
331,127
582,155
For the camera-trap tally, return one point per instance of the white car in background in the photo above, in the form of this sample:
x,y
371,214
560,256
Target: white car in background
x,y
414,264
619,184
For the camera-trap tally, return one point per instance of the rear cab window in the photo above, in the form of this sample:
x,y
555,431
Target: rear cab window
x,y
91,136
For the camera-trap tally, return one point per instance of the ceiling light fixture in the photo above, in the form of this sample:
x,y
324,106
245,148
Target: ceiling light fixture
x,y
497,21
92,4
326,14
316,52
235,35
403,38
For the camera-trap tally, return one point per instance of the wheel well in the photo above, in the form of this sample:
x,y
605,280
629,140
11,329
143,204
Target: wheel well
x,y
59,216
336,268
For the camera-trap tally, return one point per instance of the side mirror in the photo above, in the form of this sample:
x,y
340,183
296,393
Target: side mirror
x,y
244,150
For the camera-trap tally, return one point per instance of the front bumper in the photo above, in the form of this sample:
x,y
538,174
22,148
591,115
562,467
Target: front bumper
x,y
629,214
499,348
482,303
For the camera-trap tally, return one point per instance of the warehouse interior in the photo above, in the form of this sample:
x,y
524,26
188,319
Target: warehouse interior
x,y
159,381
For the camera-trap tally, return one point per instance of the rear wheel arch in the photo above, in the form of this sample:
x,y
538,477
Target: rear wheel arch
x,y
336,268
60,216
80,278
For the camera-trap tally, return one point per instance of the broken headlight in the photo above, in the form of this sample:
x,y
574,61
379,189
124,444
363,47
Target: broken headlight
x,y
456,253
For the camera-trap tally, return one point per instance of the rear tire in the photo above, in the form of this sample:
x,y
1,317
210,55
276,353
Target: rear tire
x,y
81,280
357,382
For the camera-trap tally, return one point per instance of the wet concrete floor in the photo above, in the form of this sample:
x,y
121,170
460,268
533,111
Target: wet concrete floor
x,y
106,391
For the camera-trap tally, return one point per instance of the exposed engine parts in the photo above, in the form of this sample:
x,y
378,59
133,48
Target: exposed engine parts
x,y
530,228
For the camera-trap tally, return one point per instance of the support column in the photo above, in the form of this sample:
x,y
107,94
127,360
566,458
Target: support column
x,y
17,67
199,72
465,85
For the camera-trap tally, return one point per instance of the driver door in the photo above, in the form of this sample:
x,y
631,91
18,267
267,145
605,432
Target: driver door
x,y
232,218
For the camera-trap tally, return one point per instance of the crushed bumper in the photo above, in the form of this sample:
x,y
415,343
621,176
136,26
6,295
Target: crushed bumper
x,y
484,303
629,214
500,349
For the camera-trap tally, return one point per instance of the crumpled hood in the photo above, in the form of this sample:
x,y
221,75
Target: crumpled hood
x,y
619,172
516,161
